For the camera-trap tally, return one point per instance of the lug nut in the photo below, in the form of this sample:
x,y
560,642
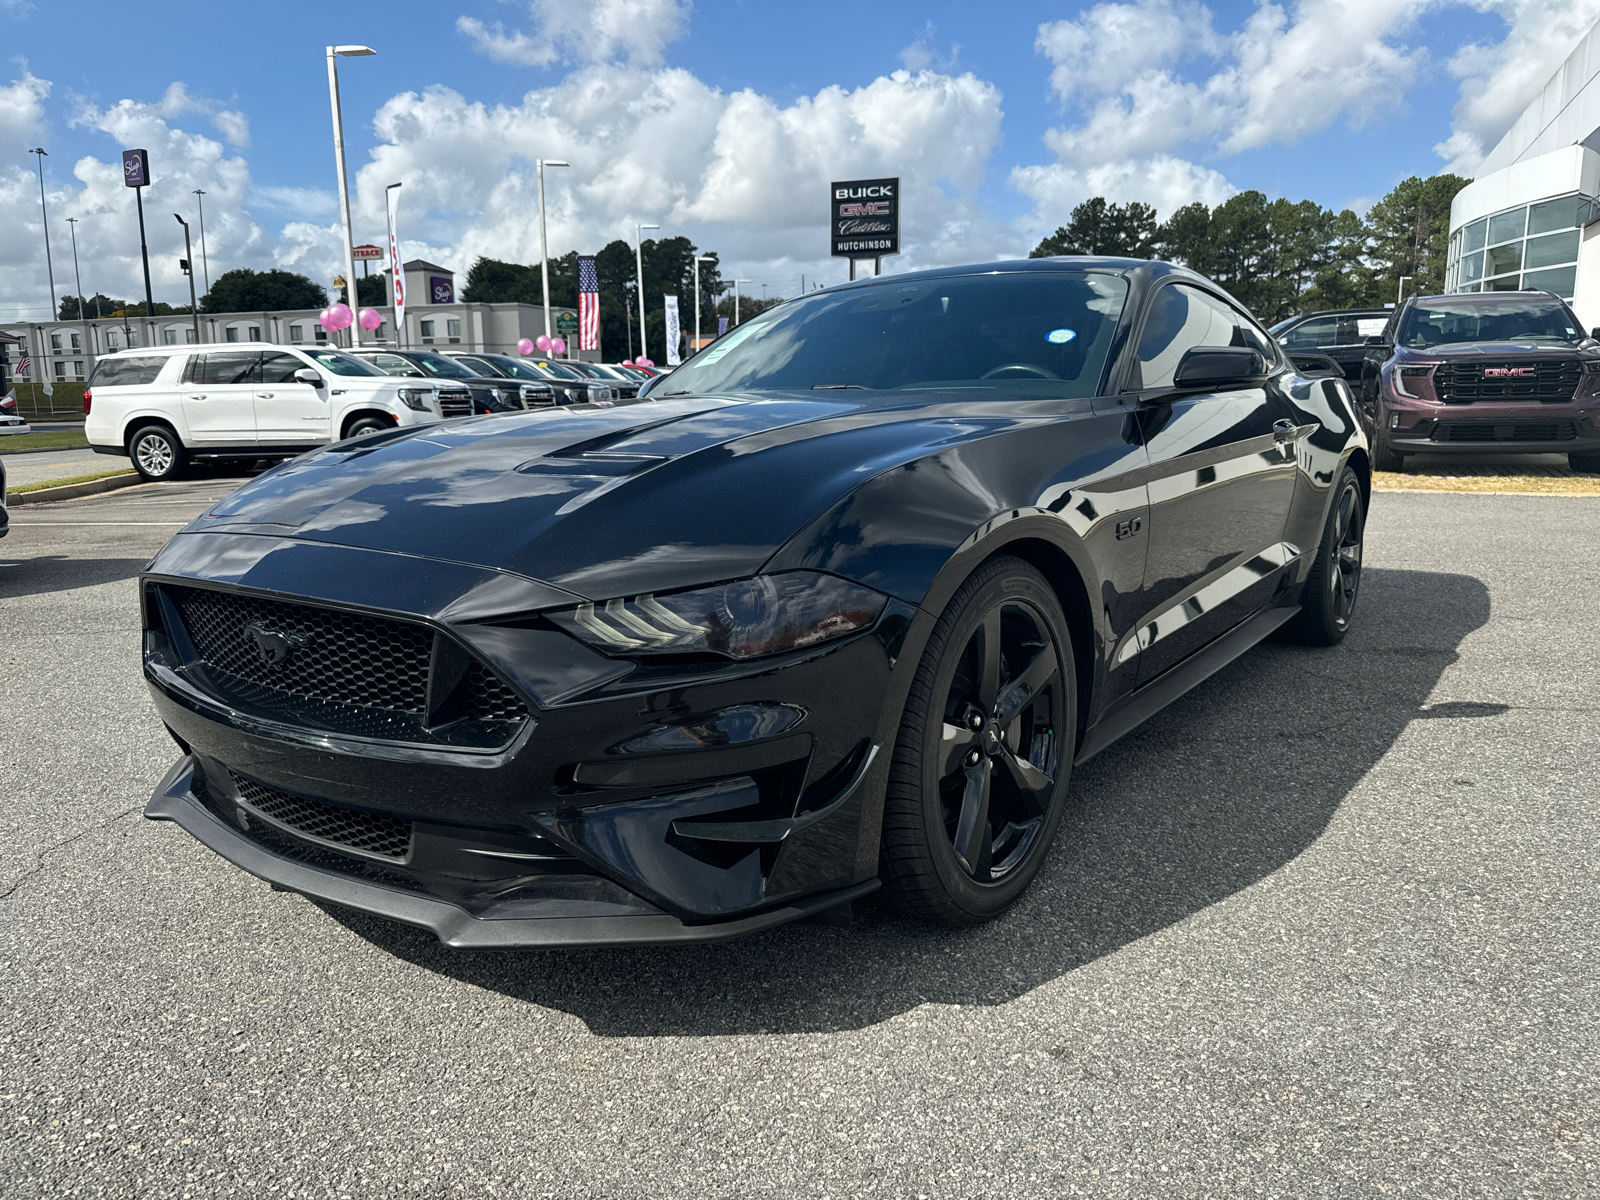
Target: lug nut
x,y
972,758
975,721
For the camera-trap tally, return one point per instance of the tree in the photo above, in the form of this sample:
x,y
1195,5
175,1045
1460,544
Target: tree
x,y
372,291
95,307
1410,232
1185,237
244,290
1096,227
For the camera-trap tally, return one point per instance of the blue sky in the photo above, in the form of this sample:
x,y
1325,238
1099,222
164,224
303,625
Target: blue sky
x,y
1000,136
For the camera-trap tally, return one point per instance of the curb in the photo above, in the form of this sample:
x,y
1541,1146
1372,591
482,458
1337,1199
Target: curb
x,y
41,449
72,491
1394,491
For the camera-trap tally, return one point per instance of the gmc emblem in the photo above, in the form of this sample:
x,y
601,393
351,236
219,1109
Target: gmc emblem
x,y
879,208
1510,372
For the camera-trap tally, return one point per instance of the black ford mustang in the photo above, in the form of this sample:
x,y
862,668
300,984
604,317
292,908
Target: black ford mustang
x,y
837,605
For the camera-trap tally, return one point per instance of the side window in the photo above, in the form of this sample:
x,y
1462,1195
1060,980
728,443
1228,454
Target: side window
x,y
1311,334
230,366
126,372
277,367
1180,318
393,364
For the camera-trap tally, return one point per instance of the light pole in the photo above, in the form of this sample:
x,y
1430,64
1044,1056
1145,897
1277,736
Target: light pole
x,y
45,217
638,263
188,269
83,314
1400,288
334,54
736,284
205,264
698,259
544,244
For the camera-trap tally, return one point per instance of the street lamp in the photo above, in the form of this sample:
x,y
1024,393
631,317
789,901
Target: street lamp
x,y
638,263
83,315
334,54
188,269
205,264
45,217
736,284
1400,289
544,243
698,259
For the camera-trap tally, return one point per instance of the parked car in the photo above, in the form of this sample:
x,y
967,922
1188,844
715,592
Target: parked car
x,y
10,419
840,610
164,407
627,386
490,394
1483,371
567,387
1340,333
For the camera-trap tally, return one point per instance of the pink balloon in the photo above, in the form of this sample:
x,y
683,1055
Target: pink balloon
x,y
543,342
558,346
524,347
627,362
371,318
339,317
322,318
643,362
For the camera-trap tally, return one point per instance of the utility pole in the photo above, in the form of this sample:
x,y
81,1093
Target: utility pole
x,y
188,269
205,264
83,315
44,214
699,258
736,284
638,263
544,248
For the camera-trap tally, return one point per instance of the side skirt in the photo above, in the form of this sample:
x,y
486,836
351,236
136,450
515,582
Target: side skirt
x,y
1145,703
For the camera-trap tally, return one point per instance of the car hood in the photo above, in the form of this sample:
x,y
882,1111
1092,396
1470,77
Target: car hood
x,y
1480,351
599,501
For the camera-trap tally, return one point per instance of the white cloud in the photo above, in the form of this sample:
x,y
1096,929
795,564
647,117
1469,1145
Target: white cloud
x,y
1499,81
924,54
1160,180
636,31
21,114
1102,48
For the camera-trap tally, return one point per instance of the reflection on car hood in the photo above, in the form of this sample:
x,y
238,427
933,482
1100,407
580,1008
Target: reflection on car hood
x,y
599,501
1471,351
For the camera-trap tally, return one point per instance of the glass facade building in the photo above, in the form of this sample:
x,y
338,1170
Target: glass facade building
x,y
1532,247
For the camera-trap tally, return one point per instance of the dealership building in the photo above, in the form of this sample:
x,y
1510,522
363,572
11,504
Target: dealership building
x,y
1531,218
65,351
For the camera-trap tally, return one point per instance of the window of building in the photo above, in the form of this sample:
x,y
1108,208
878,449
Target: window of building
x,y
188,335
255,333
61,370
113,342
55,341
169,337
232,333
322,334
77,369
452,328
427,332
297,333
1533,247
77,341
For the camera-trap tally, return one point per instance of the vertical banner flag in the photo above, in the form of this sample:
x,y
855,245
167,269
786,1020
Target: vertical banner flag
x,y
588,304
722,326
396,271
673,332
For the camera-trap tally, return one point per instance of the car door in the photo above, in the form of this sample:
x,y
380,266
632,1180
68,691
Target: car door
x,y
288,412
1222,472
219,396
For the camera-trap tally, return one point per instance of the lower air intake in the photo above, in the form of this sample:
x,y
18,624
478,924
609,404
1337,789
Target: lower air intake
x,y
372,835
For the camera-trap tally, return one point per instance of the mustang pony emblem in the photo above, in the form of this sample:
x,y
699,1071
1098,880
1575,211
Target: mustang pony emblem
x,y
274,645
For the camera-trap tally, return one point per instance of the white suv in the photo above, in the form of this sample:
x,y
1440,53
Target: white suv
x,y
164,406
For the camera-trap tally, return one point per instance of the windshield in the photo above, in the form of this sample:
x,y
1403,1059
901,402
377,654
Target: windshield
x,y
1439,321
341,364
515,369
586,369
1034,333
555,370
445,368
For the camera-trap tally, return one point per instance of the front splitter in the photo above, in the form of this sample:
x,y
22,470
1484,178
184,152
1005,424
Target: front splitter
x,y
174,800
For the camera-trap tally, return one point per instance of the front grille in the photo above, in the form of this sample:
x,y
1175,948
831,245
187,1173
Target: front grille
x,y
455,403
368,833
1555,381
1483,431
360,673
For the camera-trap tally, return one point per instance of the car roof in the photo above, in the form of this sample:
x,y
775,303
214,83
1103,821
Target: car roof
x,y
201,347
1484,297
1342,312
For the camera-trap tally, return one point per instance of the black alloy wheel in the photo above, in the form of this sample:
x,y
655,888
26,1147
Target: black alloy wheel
x,y
1329,600
368,425
1384,456
156,452
979,778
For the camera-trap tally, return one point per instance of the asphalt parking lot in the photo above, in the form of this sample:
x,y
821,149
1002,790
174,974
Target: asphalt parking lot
x,y
1325,928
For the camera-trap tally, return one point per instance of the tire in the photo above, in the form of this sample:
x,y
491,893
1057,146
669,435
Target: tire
x,y
157,453
1384,456
967,820
368,425
1584,464
1328,603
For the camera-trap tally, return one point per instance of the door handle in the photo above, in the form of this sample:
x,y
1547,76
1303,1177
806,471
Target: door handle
x,y
201,396
1284,431
264,395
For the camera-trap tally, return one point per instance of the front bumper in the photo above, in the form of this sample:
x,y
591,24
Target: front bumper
x,y
1419,426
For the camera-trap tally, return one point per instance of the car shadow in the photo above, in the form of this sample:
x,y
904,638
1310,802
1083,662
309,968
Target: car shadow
x,y
47,573
1222,789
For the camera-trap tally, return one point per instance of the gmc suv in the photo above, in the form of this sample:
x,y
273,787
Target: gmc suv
x,y
1506,371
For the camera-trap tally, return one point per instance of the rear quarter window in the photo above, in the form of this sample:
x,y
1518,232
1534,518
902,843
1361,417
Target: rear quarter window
x,y
126,372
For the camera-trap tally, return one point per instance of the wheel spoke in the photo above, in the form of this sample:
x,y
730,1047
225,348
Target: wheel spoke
x,y
1033,786
955,743
1033,680
972,826
988,679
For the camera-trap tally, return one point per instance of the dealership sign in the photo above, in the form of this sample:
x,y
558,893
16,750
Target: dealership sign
x,y
369,251
864,218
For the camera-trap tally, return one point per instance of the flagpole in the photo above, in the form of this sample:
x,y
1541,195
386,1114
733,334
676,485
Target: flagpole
x,y
544,245
638,262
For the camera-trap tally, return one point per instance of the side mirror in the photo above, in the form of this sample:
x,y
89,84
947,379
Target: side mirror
x,y
307,375
1219,366
1374,343
1595,333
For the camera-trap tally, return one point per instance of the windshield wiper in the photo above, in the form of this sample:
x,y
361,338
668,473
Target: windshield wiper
x,y
679,392
838,387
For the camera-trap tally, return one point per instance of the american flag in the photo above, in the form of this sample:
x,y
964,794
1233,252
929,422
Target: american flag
x,y
588,304
22,366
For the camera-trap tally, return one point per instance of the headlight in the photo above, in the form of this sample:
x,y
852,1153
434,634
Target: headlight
x,y
1414,375
417,398
749,617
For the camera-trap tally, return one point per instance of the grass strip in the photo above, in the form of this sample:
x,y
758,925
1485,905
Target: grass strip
x,y
63,439
1552,484
54,483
